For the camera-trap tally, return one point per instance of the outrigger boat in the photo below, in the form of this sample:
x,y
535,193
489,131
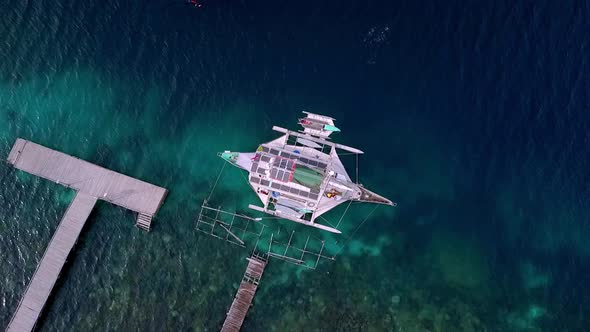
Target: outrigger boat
x,y
299,176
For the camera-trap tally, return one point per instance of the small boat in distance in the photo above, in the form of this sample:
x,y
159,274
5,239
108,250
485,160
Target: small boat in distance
x,y
299,176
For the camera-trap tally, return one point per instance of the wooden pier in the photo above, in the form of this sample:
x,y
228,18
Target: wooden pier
x,y
243,300
91,183
104,184
52,262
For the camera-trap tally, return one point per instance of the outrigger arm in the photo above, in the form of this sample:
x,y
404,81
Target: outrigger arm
x,y
300,221
317,140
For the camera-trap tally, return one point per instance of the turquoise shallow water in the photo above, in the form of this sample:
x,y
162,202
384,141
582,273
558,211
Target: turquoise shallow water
x,y
472,118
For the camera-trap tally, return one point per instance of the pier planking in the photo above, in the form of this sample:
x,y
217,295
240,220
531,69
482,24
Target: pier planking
x,y
91,183
53,260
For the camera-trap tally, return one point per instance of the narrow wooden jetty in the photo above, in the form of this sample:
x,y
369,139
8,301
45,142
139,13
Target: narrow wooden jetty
x,y
52,262
243,300
91,183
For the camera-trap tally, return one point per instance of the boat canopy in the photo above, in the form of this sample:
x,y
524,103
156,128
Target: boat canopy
x,y
308,177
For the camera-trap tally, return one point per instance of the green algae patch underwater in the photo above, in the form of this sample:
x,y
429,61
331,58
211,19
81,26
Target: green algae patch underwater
x,y
460,261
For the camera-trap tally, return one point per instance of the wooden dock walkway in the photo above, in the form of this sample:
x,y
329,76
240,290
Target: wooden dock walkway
x,y
243,300
91,183
51,264
113,187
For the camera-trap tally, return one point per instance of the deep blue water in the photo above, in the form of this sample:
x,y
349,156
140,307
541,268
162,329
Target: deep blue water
x,y
473,117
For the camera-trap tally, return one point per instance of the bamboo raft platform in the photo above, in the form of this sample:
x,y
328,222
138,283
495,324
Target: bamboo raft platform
x,y
91,183
245,295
